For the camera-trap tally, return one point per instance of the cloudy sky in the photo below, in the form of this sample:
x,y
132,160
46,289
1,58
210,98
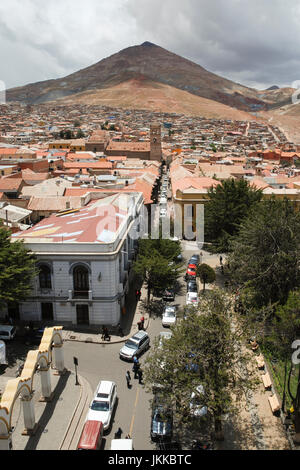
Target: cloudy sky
x,y
253,42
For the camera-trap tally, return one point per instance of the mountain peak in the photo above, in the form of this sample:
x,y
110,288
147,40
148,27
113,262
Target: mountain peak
x,y
148,44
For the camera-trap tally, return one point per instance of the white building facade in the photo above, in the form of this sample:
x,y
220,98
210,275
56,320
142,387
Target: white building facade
x,y
84,260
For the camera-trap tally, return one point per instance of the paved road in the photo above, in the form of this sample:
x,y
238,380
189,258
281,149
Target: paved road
x,y
101,362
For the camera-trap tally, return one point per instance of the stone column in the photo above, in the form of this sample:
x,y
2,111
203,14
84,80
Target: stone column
x,y
29,415
47,394
59,364
5,442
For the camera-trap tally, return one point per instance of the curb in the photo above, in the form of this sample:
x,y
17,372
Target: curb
x,y
125,338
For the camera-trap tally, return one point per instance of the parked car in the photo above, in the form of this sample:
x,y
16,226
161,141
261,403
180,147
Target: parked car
x,y
191,272
164,336
169,294
169,316
163,212
192,286
33,335
197,408
7,332
192,298
163,200
135,346
91,436
103,403
161,420
195,259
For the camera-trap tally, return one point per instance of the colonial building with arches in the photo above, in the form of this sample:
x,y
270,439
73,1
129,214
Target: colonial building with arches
x,y
84,261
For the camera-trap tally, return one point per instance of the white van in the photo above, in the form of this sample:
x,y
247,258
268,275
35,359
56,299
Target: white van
x,y
121,444
7,332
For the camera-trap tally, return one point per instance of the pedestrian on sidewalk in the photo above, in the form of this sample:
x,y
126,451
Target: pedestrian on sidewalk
x,y
142,321
105,334
137,295
128,379
118,434
221,260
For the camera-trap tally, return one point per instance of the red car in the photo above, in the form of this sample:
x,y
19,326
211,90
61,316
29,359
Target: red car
x,y
191,271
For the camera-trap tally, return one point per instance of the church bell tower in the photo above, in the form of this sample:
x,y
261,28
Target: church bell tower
x,y
155,142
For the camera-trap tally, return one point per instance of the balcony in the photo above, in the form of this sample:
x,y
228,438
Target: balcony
x,y
80,295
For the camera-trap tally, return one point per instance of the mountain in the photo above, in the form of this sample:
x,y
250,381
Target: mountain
x,y
271,88
147,67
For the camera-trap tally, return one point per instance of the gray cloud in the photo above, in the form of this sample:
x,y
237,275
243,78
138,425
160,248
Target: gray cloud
x,y
254,42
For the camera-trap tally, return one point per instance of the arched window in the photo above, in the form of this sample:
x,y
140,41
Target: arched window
x,y
81,280
45,277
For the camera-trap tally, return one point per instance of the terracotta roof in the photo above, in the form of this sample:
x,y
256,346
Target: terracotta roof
x,y
194,182
95,165
10,184
54,203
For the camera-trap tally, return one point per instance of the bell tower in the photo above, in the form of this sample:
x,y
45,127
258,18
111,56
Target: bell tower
x,y
155,142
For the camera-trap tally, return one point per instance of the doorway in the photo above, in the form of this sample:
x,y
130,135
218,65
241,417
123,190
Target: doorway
x,y
82,314
47,311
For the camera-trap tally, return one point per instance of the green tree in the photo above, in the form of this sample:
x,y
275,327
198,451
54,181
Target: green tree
x,y
80,134
229,204
264,256
204,350
17,269
155,264
206,274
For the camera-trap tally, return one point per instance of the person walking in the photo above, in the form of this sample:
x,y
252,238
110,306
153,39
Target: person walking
x,y
137,295
118,434
135,367
105,335
128,379
221,260
140,376
142,321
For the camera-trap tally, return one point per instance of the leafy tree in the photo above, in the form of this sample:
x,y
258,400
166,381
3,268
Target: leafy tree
x,y
229,204
206,274
204,350
17,269
265,253
155,264
80,134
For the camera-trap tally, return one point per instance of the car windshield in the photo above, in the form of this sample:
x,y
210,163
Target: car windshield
x,y
100,406
131,344
169,313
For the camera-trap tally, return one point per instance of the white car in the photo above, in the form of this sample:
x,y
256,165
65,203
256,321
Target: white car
x,y
163,200
169,316
163,213
192,298
103,403
7,332
164,336
196,408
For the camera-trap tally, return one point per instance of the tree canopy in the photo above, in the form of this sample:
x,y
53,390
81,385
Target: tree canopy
x,y
264,256
17,269
156,265
205,349
229,204
206,274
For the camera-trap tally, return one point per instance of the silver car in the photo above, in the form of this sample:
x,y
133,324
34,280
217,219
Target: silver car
x,y
135,346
